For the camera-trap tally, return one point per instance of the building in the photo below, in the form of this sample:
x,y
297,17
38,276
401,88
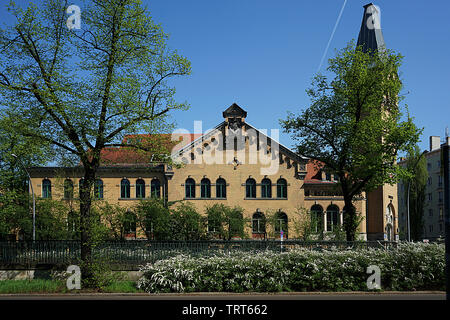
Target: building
x,y
236,164
433,215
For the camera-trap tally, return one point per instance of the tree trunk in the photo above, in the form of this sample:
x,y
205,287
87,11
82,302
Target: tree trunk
x,y
86,228
350,219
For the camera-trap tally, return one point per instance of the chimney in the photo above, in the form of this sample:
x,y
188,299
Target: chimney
x,y
435,143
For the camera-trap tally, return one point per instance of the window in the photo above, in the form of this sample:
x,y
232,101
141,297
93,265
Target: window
x,y
205,188
316,218
332,217
429,166
430,181
250,188
189,188
430,212
140,189
155,188
221,188
282,188
440,181
328,176
98,189
46,189
440,196
125,189
430,197
266,188
68,189
258,223
281,224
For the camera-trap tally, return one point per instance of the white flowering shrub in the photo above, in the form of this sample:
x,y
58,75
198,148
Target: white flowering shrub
x,y
416,266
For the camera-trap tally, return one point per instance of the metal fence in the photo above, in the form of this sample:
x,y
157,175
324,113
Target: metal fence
x,y
129,255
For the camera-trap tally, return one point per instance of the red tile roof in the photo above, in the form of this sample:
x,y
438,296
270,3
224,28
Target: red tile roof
x,y
161,143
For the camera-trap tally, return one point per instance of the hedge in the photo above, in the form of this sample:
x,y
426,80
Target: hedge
x,y
411,266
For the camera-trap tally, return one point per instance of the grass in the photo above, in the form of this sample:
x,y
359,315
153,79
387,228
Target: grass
x,y
58,286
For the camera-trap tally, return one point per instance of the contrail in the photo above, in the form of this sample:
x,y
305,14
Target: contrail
x,y
332,35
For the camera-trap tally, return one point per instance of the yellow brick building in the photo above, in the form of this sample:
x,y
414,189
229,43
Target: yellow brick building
x,y
237,165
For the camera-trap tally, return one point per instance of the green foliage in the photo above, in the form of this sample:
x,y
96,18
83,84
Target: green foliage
x,y
154,218
225,222
354,126
15,213
416,164
412,266
187,223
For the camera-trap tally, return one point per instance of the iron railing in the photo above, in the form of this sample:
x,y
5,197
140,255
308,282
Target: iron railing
x,y
129,255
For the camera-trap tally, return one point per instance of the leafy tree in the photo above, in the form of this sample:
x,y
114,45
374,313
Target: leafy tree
x,y
83,90
416,164
354,127
225,222
113,216
15,216
154,218
187,223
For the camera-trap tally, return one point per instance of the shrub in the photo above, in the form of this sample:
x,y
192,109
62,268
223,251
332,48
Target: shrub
x,y
409,267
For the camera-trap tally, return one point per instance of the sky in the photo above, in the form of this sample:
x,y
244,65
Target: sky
x,y
263,55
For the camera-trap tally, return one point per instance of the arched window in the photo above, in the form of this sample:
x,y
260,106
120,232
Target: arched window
x,y
68,189
46,189
281,224
332,217
316,218
258,223
190,188
221,188
129,224
250,188
98,189
155,188
205,187
266,188
282,188
140,188
125,188
73,224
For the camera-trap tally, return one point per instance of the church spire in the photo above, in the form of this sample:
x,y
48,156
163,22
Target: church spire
x,y
370,35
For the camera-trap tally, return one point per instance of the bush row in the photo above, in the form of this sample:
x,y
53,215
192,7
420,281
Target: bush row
x,y
412,266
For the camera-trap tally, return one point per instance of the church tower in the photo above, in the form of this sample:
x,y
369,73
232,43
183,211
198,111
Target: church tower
x,y
382,203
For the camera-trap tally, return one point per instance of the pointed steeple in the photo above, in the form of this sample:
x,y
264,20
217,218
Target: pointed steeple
x,y
370,35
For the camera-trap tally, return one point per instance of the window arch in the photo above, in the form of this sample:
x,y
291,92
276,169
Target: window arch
x,y
281,224
250,188
68,189
221,188
205,188
46,189
125,188
155,188
332,217
190,188
258,223
140,188
316,218
98,189
282,188
266,188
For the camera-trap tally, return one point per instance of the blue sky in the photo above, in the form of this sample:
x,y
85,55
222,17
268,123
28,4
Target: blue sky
x,y
263,54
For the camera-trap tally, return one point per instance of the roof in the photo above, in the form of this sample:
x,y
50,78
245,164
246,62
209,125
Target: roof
x,y
123,156
370,35
234,111
313,174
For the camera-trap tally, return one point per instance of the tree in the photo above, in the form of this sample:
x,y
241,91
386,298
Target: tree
x,y
187,223
354,127
416,164
83,90
154,218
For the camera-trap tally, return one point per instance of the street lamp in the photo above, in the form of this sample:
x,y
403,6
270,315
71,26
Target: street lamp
x,y
409,187
32,192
